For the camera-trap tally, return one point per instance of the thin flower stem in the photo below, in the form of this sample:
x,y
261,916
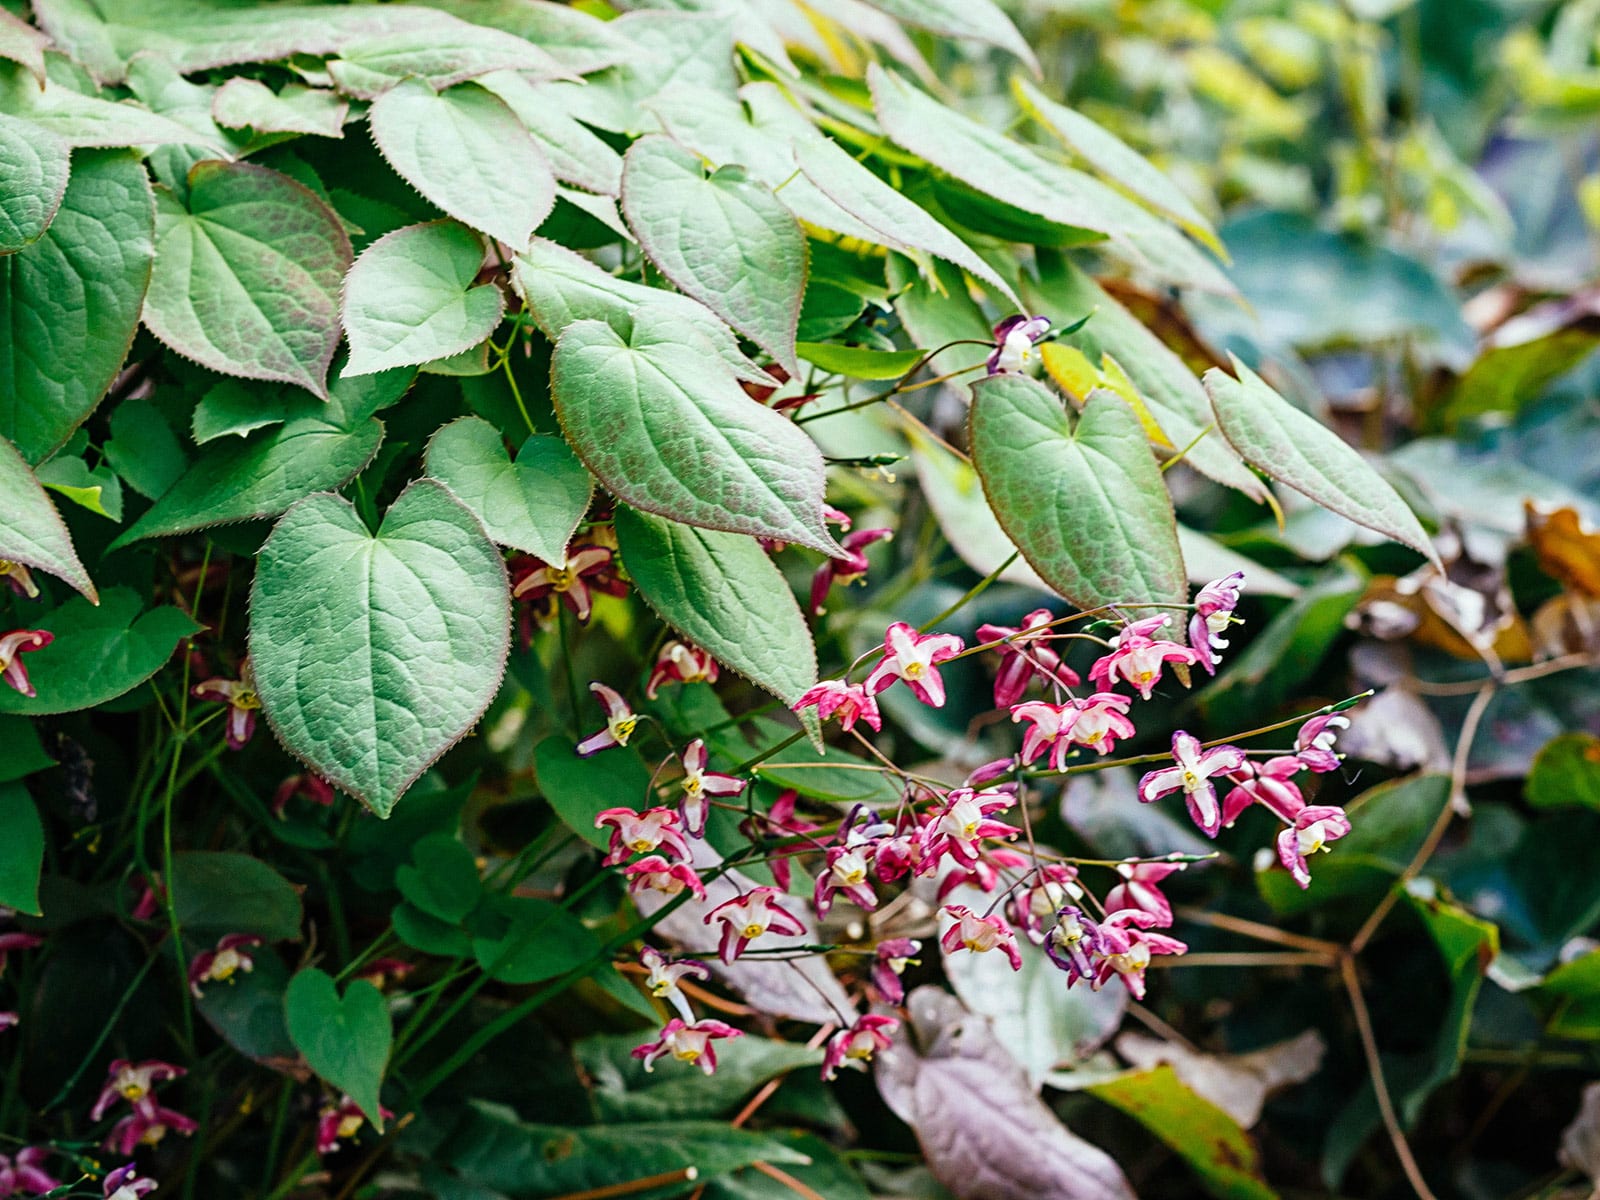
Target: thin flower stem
x,y
1520,675
788,1181
972,594
1249,958
634,1186
1264,933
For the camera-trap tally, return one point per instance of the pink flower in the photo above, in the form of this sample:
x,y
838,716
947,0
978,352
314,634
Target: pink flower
x,y
1014,340
680,662
620,722
854,1047
240,697
146,1125
1026,652
687,1043
847,863
1101,721
1035,908
1270,784
699,783
665,976
1313,828
1313,745
748,917
572,579
850,701
21,581
340,1122
220,965
1126,947
13,646
1074,943
889,963
656,874
16,941
990,771
1046,723
847,568
133,1082
125,1183
984,873
24,1173
1192,775
1139,889
1213,613
642,833
913,656
309,785
9,1020
780,819
1137,657
957,826
980,934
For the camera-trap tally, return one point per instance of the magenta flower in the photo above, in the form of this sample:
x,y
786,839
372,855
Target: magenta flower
x,y
642,833
698,784
748,917
913,657
308,785
990,771
1014,342
1053,886
1313,745
1137,657
656,874
147,1125
620,722
133,1082
340,1122
1213,613
9,1020
1126,947
1270,784
1025,653
21,582
1101,721
24,1173
985,873
1313,828
16,941
221,964
851,702
1046,724
980,934
687,1043
889,963
957,826
240,697
1073,944
847,863
572,579
1192,775
780,819
667,974
854,1047
125,1183
848,568
13,646
1140,889
679,662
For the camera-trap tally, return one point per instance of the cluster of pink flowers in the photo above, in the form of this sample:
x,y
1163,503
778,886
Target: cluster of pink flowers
x,y
149,1121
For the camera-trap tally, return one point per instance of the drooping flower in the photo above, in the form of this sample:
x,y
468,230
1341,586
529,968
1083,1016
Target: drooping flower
x,y
964,820
980,934
1314,827
1126,947
1100,721
1025,653
847,568
23,1173
851,702
679,662
1140,889
1014,342
642,833
231,955
1053,886
620,722
571,579
780,820
985,873
1046,723
16,940
698,784
125,1183
1213,613
665,976
913,657
1313,745
655,874
308,785
13,646
854,1047
750,916
240,697
1073,943
1137,657
132,1082
1270,784
340,1122
847,864
1192,775
21,582
889,963
147,1125
690,1043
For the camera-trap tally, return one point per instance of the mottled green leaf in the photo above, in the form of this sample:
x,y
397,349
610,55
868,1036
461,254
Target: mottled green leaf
x,y
31,531
33,178
22,43
83,121
577,40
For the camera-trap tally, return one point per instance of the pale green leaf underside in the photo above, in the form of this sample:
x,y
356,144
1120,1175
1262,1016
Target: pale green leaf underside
x,y
375,654
83,121
576,155
465,150
33,178
668,433
532,504
722,592
22,43
728,242
1298,450
1086,506
31,531
979,20
410,298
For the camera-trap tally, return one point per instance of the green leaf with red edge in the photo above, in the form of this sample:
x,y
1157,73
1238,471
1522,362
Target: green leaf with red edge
x,y
247,277
31,530
34,165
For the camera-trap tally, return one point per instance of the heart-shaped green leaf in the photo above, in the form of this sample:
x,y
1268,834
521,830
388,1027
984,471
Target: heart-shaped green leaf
x,y
1298,450
73,300
725,240
374,653
410,298
345,1040
442,878
465,150
1086,505
532,504
722,592
33,177
668,433
31,531
247,277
